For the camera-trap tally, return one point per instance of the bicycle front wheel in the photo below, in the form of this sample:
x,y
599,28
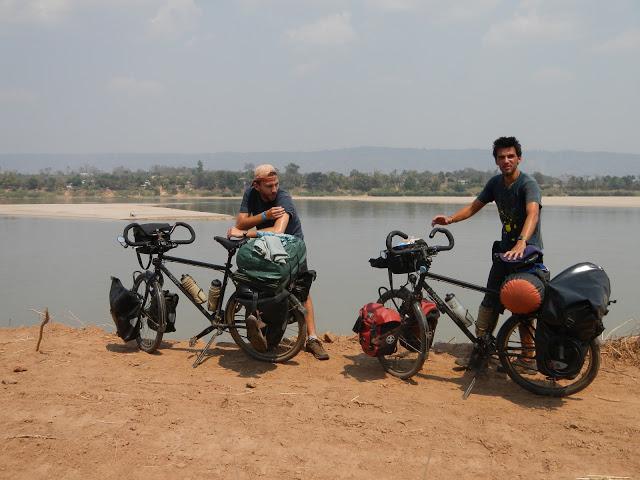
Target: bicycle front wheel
x,y
414,337
512,349
152,316
285,339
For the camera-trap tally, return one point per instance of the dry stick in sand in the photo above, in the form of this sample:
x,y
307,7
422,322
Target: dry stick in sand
x,y
44,437
45,320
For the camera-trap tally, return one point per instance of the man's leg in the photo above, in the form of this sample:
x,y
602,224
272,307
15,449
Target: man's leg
x,y
489,309
487,320
314,345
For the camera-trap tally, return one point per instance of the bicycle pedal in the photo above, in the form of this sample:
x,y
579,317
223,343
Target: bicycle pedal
x,y
193,341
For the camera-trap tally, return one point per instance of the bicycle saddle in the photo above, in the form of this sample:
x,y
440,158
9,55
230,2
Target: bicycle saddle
x,y
229,244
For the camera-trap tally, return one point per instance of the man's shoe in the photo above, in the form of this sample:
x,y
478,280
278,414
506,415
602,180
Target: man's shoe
x,y
254,334
469,362
462,361
315,347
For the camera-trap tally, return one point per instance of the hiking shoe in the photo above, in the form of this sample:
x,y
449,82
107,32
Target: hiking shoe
x,y
471,361
254,334
315,347
462,361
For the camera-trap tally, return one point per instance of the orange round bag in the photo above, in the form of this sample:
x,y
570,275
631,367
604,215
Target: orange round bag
x,y
522,293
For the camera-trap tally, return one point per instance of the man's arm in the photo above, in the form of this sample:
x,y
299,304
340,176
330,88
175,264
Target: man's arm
x,y
244,221
462,214
278,227
533,213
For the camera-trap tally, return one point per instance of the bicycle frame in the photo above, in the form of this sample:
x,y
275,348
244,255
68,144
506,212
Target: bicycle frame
x,y
421,284
216,317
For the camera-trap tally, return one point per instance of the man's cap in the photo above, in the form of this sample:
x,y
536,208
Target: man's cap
x,y
264,171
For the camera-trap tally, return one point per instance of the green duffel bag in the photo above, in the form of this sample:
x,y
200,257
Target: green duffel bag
x,y
262,270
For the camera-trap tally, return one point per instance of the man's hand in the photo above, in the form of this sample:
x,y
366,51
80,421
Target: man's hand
x,y
235,232
441,220
517,251
274,213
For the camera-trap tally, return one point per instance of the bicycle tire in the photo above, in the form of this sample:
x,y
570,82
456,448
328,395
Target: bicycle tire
x,y
414,338
509,347
152,315
292,341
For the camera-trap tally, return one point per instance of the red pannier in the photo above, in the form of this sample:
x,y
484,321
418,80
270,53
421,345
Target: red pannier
x,y
377,328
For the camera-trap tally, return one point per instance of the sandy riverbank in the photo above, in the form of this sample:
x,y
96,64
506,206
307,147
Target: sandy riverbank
x,y
106,211
90,406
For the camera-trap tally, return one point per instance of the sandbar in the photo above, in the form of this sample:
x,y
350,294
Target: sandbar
x,y
106,211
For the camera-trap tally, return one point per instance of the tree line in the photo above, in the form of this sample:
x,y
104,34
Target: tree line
x,y
199,181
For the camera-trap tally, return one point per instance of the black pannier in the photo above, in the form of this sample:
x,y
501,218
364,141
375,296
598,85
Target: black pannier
x,y
403,258
170,302
275,315
272,308
559,354
302,284
577,299
575,302
125,305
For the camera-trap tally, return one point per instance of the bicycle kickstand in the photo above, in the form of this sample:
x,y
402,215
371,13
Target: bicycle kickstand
x,y
482,364
203,352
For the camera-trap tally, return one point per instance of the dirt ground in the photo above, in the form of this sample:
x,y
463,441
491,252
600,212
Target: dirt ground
x,y
90,406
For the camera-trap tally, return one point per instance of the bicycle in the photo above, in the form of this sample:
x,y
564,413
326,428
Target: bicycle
x,y
286,338
415,334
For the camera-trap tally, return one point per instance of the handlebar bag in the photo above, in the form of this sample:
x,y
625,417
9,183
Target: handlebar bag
x,y
377,328
148,232
124,308
263,270
404,258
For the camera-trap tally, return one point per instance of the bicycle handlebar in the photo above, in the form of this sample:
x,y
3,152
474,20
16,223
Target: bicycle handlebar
x,y
442,248
191,232
143,243
393,234
435,248
125,234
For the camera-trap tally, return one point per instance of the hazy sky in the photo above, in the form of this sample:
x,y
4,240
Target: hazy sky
x,y
260,75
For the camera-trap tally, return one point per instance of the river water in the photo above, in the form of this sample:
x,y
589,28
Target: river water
x,y
66,265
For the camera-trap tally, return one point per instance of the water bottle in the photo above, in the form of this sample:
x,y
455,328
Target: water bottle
x,y
214,295
461,312
193,289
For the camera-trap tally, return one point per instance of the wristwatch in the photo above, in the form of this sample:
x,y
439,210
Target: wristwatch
x,y
520,237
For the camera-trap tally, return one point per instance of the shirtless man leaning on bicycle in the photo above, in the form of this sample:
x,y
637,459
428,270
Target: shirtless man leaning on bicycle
x,y
518,198
268,208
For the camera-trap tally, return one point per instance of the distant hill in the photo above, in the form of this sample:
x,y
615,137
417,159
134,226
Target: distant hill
x,y
364,159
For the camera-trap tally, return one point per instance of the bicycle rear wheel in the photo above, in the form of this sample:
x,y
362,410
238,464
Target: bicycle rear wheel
x,y
152,316
414,337
289,339
512,349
